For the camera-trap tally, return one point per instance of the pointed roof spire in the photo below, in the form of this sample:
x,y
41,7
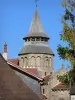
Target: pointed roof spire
x,y
36,29
36,25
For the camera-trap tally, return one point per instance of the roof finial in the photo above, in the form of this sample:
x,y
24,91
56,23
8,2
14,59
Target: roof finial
x,y
36,2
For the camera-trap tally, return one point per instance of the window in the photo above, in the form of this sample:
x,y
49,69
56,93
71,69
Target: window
x,y
46,62
28,39
25,40
32,39
42,39
22,61
32,61
43,91
50,61
38,61
61,99
25,62
37,39
46,40
45,73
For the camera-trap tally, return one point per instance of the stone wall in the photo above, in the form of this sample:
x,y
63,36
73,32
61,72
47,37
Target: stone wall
x,y
60,95
43,63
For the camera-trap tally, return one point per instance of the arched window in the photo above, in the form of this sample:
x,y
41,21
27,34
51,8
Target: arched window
x,y
50,61
61,99
43,91
32,61
22,61
25,62
46,62
38,61
45,73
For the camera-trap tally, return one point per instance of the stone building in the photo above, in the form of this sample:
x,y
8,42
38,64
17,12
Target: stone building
x,y
37,58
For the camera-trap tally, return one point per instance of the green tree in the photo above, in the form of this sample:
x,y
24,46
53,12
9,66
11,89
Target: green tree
x,y
68,35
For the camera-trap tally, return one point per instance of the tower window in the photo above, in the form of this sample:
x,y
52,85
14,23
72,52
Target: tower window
x,y
45,73
25,40
46,62
22,60
42,39
46,40
43,91
37,39
28,39
25,62
32,39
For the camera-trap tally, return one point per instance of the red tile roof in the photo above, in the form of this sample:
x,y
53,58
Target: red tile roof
x,y
47,78
15,61
32,70
24,71
60,86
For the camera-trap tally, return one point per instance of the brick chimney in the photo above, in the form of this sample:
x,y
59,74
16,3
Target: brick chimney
x,y
5,54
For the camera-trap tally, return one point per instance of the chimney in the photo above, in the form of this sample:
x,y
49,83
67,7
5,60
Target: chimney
x,y
5,54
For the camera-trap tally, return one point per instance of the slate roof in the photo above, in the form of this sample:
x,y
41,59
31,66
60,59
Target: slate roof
x,y
36,34
34,49
36,29
11,86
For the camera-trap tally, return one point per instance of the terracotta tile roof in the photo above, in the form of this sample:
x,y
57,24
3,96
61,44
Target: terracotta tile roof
x,y
32,70
11,86
60,86
24,71
47,78
15,61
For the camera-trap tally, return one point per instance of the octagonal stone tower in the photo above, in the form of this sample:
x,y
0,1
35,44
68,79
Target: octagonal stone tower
x,y
36,52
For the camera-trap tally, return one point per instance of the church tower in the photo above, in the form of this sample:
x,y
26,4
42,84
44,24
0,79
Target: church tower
x,y
36,52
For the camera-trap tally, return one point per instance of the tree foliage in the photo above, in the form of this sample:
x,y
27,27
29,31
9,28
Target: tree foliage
x,y
67,78
68,35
